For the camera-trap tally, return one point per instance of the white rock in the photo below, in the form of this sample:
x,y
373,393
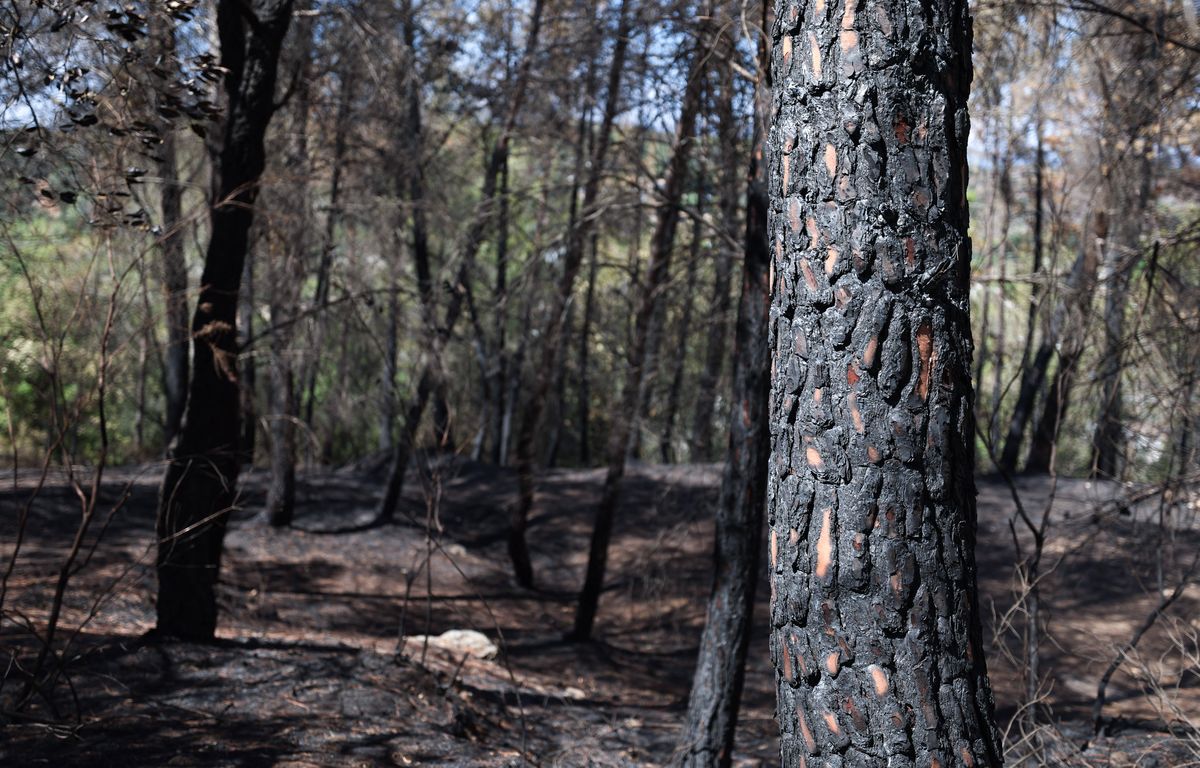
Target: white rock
x,y
455,641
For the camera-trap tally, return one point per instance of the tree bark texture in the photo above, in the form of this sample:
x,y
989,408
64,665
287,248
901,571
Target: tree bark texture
x,y
871,500
199,484
708,733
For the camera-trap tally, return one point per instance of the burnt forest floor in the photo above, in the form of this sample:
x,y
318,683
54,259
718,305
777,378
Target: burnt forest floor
x,y
309,669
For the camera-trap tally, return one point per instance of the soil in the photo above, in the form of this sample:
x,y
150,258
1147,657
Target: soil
x,y
310,666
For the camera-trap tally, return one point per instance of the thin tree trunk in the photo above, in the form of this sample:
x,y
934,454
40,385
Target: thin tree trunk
x,y
553,333
174,265
248,387
679,354
500,302
585,380
625,418
876,634
1069,324
199,484
285,293
484,214
708,733
730,181
348,79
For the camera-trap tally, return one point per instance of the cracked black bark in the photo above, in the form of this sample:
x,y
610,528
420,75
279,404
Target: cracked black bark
x,y
871,500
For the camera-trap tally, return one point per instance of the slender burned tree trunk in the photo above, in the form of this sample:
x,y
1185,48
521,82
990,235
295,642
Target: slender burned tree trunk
x,y
484,215
871,500
585,373
625,418
200,480
553,334
174,267
666,452
729,179
285,293
708,733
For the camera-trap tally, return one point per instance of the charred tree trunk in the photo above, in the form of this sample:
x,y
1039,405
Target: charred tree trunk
x,y
585,374
500,309
876,633
729,180
248,385
285,292
174,266
325,263
1069,325
553,333
708,733
666,451
201,478
484,215
625,418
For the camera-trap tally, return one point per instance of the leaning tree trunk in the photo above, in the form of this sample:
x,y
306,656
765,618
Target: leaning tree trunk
x,y
553,333
625,418
200,481
708,732
875,619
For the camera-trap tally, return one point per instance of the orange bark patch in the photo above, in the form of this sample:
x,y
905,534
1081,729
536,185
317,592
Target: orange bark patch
x,y
831,260
810,226
819,7
879,678
852,376
787,663
825,543
817,395
967,760
925,351
831,159
873,454
787,170
809,278
832,723
833,662
816,55
774,547
794,214
869,353
814,458
910,251
901,130
855,414
809,741
848,37
787,49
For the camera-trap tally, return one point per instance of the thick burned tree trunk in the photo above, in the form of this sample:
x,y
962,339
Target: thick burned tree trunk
x,y
708,733
871,500
484,215
636,383
201,478
554,331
